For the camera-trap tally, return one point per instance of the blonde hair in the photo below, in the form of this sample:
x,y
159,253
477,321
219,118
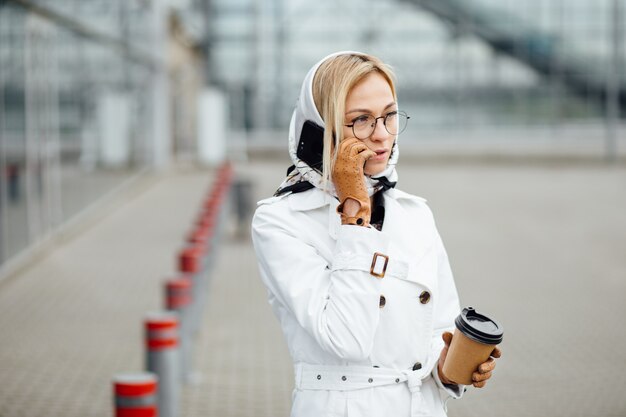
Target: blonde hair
x,y
332,83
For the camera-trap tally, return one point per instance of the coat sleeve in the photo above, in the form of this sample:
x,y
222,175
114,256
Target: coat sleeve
x,y
447,307
335,302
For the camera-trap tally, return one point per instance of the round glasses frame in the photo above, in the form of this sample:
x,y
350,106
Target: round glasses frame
x,y
372,121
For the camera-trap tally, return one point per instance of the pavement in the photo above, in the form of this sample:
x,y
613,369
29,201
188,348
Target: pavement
x,y
540,245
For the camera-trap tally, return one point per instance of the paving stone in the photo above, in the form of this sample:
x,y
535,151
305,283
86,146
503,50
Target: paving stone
x,y
541,247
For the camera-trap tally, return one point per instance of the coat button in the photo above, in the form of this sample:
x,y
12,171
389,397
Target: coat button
x,y
424,297
382,301
417,366
343,378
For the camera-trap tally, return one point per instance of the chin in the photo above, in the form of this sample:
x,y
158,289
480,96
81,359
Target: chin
x,y
374,169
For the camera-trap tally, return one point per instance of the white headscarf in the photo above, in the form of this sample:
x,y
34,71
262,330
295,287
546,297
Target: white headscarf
x,y
306,110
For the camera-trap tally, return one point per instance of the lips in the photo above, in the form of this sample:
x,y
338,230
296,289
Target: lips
x,y
381,154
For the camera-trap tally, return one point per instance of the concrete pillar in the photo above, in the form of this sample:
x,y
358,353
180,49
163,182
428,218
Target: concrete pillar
x,y
161,139
212,127
113,128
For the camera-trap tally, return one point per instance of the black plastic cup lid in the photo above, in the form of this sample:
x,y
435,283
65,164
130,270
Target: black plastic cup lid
x,y
479,327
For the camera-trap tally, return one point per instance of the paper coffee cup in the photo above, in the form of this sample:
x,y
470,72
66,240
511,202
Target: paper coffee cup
x,y
474,339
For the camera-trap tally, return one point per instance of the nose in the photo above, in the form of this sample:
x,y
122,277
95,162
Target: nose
x,y
380,131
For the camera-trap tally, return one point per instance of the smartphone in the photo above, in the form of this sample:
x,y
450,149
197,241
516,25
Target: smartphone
x,y
311,145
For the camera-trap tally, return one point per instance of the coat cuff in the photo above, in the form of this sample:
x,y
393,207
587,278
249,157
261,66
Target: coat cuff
x,y
453,390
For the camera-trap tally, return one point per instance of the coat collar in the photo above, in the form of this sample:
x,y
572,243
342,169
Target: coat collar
x,y
397,195
315,198
310,200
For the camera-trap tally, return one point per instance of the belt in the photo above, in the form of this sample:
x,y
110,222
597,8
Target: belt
x,y
349,378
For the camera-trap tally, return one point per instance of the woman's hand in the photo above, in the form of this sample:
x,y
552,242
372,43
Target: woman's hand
x,y
349,182
482,374
485,369
447,339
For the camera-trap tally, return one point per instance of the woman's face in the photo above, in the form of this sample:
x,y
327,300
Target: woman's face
x,y
372,96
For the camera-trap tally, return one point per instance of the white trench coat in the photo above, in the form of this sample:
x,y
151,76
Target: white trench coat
x,y
361,345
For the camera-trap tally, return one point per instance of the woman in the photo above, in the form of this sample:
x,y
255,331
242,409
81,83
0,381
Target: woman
x,y
355,269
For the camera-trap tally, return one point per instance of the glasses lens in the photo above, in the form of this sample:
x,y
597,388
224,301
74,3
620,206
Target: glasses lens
x,y
363,126
396,122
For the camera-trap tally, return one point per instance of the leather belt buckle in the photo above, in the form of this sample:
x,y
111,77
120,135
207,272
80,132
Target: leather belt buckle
x,y
375,261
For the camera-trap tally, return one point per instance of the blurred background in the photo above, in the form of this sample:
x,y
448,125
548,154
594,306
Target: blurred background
x,y
94,92
115,113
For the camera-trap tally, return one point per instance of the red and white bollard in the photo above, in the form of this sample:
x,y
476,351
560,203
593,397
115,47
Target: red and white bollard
x,y
178,294
135,395
201,235
190,259
178,298
191,263
163,358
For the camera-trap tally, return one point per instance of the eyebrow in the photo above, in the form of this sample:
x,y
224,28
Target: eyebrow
x,y
393,103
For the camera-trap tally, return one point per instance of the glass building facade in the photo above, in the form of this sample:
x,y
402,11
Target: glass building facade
x,y
94,93
85,90
461,64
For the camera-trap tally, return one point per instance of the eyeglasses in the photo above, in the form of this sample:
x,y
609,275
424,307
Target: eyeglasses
x,y
363,126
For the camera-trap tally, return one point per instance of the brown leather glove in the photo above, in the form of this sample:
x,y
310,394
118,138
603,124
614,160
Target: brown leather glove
x,y
482,374
447,339
485,369
349,182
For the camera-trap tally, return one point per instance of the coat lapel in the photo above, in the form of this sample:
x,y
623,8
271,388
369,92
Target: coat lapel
x,y
412,237
334,220
408,225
